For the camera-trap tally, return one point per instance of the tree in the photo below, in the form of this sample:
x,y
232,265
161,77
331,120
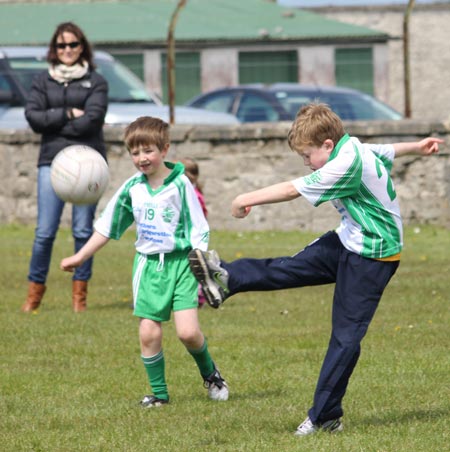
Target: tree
x,y
171,60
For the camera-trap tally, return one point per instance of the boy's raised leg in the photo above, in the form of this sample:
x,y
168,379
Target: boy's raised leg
x,y
212,277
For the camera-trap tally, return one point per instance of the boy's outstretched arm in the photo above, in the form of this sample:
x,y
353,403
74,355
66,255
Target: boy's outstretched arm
x,y
284,191
427,146
96,242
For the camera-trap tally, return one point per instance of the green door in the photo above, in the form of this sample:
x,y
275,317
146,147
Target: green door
x,y
268,67
187,77
354,69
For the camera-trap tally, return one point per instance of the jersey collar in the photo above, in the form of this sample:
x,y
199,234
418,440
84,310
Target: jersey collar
x,y
338,146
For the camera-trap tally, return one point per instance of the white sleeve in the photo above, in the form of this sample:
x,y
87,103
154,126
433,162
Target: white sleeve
x,y
384,151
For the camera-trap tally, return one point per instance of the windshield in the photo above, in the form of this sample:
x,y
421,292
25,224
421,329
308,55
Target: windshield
x,y
26,68
348,106
123,85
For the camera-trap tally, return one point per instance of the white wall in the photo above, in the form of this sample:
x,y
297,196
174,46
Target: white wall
x,y
219,67
316,65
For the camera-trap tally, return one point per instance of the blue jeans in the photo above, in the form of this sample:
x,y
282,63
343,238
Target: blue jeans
x,y
50,209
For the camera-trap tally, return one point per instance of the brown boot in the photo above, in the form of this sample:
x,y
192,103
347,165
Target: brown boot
x,y
79,294
35,293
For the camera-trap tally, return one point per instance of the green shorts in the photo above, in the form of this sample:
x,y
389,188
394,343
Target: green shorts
x,y
163,284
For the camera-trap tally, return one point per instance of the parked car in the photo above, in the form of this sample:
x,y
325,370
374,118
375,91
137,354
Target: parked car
x,y
281,102
128,96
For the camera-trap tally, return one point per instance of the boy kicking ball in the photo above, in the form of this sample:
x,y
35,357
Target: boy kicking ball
x,y
169,223
359,257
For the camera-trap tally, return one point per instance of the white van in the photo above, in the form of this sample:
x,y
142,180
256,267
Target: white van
x,y
128,96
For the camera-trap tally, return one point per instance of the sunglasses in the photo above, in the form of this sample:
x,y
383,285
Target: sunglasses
x,y
63,45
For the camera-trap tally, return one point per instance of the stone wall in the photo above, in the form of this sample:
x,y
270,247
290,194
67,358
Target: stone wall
x,y
235,159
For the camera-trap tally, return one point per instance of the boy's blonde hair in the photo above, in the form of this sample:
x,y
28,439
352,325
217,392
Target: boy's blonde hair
x,y
314,124
145,131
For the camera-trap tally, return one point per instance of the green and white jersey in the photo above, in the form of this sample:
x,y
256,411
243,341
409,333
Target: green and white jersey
x,y
167,219
356,179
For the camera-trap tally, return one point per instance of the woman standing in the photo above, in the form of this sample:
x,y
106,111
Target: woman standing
x,y
66,105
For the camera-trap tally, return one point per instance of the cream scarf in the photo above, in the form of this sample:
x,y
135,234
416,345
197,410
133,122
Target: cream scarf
x,y
64,74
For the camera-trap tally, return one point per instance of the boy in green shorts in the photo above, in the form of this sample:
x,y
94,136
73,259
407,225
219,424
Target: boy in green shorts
x,y
359,257
169,223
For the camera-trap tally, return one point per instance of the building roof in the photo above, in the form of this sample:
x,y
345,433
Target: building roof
x,y
110,22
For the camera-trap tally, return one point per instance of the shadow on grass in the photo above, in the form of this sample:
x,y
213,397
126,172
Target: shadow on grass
x,y
404,417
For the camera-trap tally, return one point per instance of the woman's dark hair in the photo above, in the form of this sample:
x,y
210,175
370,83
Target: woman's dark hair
x,y
70,27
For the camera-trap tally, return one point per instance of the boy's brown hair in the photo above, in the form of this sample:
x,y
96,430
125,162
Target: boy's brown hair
x,y
314,124
145,131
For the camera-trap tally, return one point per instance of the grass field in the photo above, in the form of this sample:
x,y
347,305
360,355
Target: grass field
x,y
72,382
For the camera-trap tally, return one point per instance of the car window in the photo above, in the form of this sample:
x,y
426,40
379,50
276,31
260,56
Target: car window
x,y
348,106
5,91
341,105
221,102
9,96
292,101
362,107
253,108
26,68
354,106
123,85
4,84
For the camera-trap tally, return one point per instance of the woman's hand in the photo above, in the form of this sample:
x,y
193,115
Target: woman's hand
x,y
76,112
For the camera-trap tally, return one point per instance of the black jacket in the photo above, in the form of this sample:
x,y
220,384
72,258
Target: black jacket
x,y
46,112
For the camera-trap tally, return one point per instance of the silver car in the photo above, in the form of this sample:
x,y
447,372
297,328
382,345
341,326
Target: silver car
x,y
128,96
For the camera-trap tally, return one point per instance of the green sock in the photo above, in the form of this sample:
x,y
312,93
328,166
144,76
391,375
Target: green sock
x,y
203,359
155,367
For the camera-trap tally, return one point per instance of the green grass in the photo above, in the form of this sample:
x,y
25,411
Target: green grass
x,y
72,382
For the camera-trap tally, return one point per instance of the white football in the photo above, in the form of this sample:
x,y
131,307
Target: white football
x,y
79,174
